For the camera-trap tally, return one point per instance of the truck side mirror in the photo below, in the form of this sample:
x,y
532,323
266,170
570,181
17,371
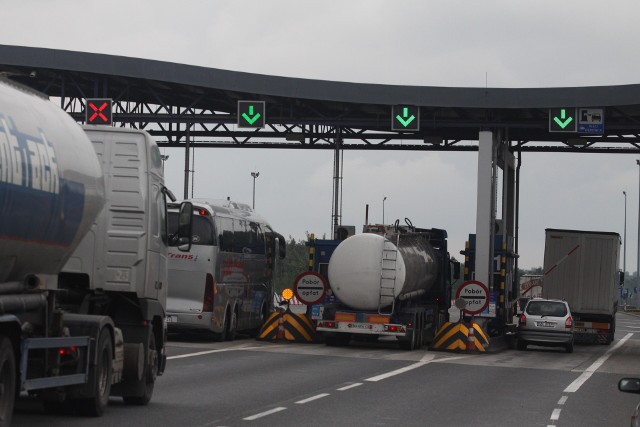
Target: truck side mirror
x,y
621,277
185,224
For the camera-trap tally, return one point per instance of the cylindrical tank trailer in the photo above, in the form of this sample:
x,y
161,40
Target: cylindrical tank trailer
x,y
51,184
356,268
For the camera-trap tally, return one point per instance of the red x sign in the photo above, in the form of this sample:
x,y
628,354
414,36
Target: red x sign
x,y
98,111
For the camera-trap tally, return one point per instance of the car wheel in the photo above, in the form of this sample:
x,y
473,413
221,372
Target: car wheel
x,y
522,344
569,347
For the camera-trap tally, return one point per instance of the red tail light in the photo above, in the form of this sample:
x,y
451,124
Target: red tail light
x,y
568,323
523,320
68,351
207,302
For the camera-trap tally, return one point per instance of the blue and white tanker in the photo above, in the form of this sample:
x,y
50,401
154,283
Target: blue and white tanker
x,y
83,258
51,186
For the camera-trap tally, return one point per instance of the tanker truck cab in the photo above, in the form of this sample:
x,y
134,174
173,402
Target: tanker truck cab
x,y
396,284
118,273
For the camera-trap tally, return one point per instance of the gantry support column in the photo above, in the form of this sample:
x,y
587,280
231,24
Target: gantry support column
x,y
495,236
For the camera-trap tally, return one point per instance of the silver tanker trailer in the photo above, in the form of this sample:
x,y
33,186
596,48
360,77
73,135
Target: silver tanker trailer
x,y
395,282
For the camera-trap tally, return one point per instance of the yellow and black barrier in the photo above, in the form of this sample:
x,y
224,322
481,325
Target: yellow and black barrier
x,y
287,326
461,337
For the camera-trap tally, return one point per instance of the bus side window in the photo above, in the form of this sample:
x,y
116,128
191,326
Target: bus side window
x,y
241,242
257,239
225,233
226,241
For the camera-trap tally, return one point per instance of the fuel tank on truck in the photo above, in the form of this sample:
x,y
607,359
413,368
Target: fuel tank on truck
x,y
356,268
51,184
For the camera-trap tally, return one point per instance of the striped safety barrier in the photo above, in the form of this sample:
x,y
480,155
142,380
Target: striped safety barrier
x,y
287,326
460,337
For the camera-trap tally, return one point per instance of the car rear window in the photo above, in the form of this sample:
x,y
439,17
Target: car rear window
x,y
546,308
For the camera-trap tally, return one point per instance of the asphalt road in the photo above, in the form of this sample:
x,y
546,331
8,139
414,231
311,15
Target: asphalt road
x,y
251,383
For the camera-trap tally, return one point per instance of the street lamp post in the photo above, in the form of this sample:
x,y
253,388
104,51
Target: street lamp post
x,y
254,175
385,198
624,248
638,251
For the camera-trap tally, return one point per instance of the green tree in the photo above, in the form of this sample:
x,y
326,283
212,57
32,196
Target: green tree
x,y
296,262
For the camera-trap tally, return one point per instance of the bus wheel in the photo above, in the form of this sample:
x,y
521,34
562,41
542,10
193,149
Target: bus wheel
x,y
100,378
7,381
148,381
232,325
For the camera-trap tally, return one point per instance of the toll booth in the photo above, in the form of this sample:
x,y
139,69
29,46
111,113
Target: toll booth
x,y
502,290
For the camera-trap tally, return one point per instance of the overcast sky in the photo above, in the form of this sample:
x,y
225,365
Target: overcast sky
x,y
453,43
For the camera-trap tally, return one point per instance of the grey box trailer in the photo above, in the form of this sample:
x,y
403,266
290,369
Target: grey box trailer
x,y
582,267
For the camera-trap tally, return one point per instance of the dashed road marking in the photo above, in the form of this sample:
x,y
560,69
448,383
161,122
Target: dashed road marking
x,y
349,386
265,413
312,398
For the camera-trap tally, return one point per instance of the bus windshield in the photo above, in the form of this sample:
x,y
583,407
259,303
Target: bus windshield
x,y
202,231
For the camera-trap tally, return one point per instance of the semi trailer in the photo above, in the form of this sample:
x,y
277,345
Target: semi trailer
x,y
392,281
582,267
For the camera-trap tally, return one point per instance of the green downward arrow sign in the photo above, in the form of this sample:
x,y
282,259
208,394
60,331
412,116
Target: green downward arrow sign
x,y
405,119
563,121
251,118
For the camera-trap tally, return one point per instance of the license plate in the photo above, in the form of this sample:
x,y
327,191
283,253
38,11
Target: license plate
x,y
359,326
546,324
172,319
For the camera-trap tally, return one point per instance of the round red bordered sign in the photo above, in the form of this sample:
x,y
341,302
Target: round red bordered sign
x,y
476,296
310,287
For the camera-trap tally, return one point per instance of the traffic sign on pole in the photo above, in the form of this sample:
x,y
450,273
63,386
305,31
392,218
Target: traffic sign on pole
x,y
405,118
310,287
251,114
476,296
97,111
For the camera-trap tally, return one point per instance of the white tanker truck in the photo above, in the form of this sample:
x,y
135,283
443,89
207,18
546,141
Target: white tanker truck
x,y
82,287
394,282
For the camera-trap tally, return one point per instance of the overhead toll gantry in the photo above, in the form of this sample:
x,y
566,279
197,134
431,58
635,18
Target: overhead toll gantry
x,y
190,106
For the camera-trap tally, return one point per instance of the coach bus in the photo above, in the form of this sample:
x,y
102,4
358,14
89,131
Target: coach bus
x,y
224,282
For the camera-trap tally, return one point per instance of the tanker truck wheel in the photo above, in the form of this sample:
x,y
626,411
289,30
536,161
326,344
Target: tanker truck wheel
x,y
147,383
7,381
100,378
411,343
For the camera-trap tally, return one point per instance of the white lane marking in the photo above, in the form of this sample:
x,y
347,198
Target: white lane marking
x,y
312,398
424,361
577,383
349,386
555,415
265,413
563,400
202,353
